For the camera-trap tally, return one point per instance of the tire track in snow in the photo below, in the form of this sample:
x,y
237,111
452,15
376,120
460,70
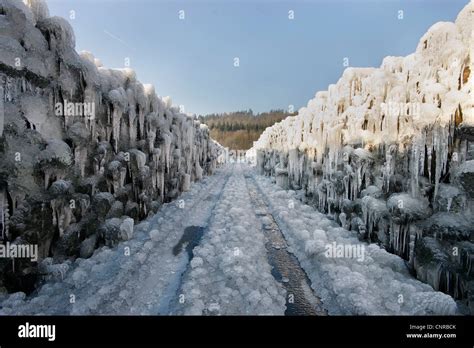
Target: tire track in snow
x,y
170,298
372,285
301,299
196,213
111,282
155,268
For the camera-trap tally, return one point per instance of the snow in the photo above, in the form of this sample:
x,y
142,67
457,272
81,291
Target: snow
x,y
346,285
407,208
39,8
366,104
63,34
56,150
375,151
35,110
24,7
155,235
229,272
466,167
126,229
357,121
131,277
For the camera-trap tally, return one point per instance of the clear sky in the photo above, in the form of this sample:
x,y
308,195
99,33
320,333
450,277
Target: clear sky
x,y
282,61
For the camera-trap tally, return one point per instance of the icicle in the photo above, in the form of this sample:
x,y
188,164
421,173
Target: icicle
x,y
2,112
141,122
167,151
162,189
359,178
116,127
450,201
415,170
2,213
80,158
53,207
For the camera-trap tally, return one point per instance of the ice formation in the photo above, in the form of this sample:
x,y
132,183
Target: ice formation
x,y
378,283
84,149
228,272
384,148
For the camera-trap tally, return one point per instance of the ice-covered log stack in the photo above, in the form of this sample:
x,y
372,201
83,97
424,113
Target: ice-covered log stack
x,y
83,148
389,152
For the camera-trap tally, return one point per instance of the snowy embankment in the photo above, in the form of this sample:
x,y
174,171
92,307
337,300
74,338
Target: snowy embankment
x,y
230,274
388,153
135,277
376,284
85,150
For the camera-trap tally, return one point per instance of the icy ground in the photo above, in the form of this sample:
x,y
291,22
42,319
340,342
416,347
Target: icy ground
x,y
229,271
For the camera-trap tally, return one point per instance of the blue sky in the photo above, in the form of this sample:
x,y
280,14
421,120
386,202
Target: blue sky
x,y
282,62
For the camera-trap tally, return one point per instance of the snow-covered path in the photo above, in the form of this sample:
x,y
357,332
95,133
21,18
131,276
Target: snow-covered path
x,y
233,244
230,273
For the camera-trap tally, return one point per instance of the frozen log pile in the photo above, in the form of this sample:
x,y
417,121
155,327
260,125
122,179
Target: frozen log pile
x,y
389,152
85,151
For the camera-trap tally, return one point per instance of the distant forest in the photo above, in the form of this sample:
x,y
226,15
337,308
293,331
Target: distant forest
x,y
238,130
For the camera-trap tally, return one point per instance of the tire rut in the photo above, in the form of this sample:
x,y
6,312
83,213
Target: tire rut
x,y
301,299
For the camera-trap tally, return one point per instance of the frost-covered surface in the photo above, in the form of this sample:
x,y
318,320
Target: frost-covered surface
x,y
119,148
391,104
139,276
378,285
384,148
230,274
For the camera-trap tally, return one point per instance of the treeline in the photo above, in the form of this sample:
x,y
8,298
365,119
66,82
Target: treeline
x,y
238,130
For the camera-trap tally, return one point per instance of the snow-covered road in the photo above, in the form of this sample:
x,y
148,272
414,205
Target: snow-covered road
x,y
234,244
